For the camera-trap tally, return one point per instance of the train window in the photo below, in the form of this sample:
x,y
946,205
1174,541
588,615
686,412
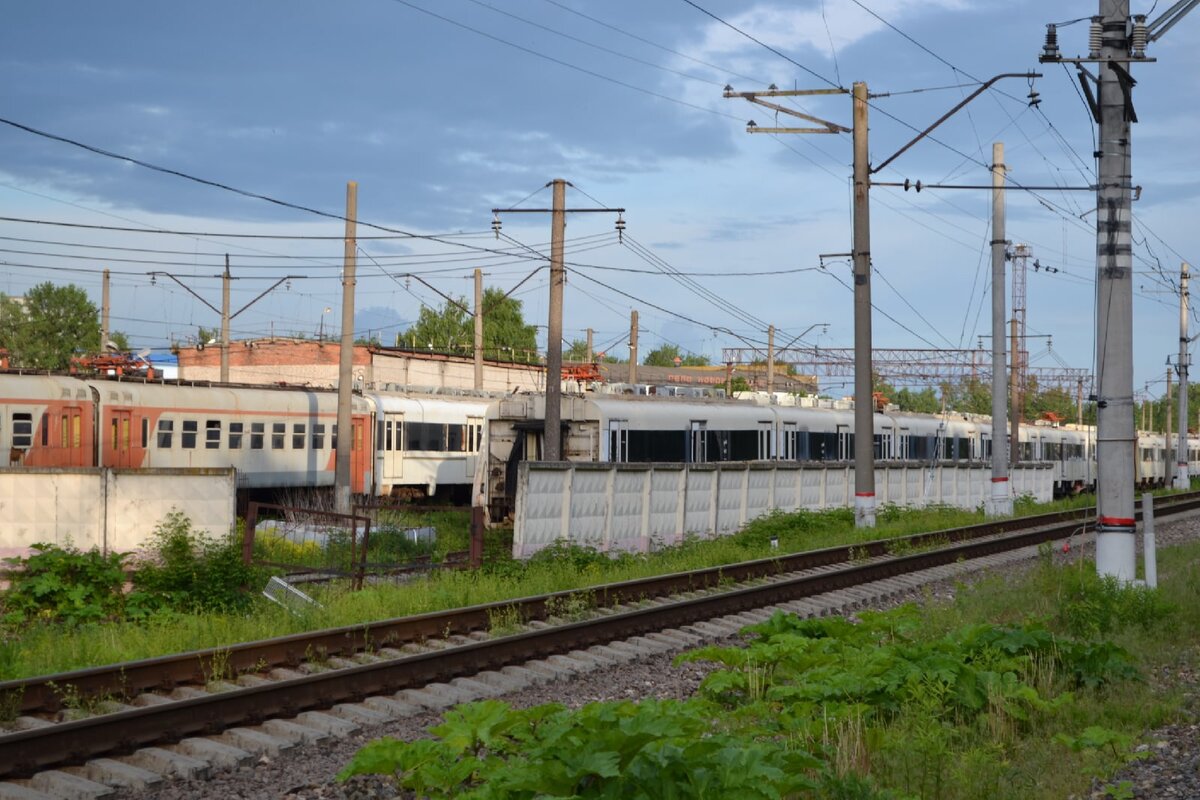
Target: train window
x,y
187,438
256,435
455,440
618,441
318,436
278,432
429,436
166,428
212,434
298,436
145,432
22,425
333,437
235,435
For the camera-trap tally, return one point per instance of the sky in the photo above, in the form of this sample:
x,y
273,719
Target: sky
x,y
442,110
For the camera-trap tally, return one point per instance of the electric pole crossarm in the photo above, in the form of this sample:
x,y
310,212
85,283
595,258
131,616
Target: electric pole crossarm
x,y
272,288
188,289
983,87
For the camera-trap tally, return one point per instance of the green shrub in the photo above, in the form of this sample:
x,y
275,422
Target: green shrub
x,y
185,570
63,584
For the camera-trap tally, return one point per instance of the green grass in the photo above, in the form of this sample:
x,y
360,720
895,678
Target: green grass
x,y
38,650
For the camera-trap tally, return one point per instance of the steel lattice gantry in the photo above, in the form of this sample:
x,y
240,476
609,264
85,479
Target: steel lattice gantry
x,y
907,365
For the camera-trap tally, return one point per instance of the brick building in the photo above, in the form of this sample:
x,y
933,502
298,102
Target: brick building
x,y
306,362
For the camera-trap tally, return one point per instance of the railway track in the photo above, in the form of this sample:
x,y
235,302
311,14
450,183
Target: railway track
x,y
175,698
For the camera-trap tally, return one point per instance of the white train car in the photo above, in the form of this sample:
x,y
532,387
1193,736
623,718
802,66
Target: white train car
x,y
47,421
274,437
427,442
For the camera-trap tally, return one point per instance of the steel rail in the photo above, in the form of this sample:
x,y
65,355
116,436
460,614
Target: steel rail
x,y
71,742
44,694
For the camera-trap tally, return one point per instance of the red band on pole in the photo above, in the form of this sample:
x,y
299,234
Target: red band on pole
x,y
864,494
999,480
1117,522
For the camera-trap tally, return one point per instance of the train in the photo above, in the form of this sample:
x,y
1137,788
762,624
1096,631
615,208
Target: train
x,y
411,444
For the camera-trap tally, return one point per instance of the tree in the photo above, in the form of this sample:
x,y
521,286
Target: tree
x,y
922,402
665,356
119,340
577,351
49,325
451,329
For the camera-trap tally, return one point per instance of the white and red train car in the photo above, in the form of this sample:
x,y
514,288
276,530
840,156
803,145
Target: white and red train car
x,y
402,443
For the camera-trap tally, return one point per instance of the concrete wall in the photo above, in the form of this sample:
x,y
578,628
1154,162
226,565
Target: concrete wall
x,y
112,509
639,507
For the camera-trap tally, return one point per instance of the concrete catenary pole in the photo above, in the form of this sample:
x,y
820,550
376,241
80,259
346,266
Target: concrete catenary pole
x,y
104,312
770,359
589,346
225,322
1116,553
345,437
552,437
1014,438
1182,478
864,417
1168,460
478,329
1001,500
633,353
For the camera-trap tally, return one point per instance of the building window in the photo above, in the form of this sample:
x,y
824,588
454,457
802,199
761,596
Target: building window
x,y
22,425
165,432
187,439
235,435
212,434
256,435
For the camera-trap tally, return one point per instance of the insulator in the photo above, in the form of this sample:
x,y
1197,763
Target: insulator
x,y
496,225
620,228
153,279
1140,36
1095,38
1050,50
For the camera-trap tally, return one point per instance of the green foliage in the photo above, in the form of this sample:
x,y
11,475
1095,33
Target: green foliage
x,y
1094,606
665,356
451,329
65,585
185,570
653,749
51,324
577,351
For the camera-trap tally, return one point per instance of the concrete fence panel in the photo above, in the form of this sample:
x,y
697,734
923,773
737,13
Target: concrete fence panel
x,y
640,507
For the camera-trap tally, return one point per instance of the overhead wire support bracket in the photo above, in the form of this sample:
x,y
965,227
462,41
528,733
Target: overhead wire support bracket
x,y
754,97
983,87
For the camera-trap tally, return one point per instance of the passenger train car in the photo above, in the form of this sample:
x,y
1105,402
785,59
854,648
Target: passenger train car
x,y
636,428
415,444
275,437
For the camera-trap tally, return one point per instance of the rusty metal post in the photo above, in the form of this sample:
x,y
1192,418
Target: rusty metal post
x,y
248,534
477,529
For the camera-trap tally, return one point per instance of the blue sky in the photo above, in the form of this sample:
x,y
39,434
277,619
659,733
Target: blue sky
x,y
444,109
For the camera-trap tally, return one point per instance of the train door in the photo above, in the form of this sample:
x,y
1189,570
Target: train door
x,y
358,454
618,441
699,442
902,445
884,444
474,433
765,432
845,440
392,447
120,426
788,450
